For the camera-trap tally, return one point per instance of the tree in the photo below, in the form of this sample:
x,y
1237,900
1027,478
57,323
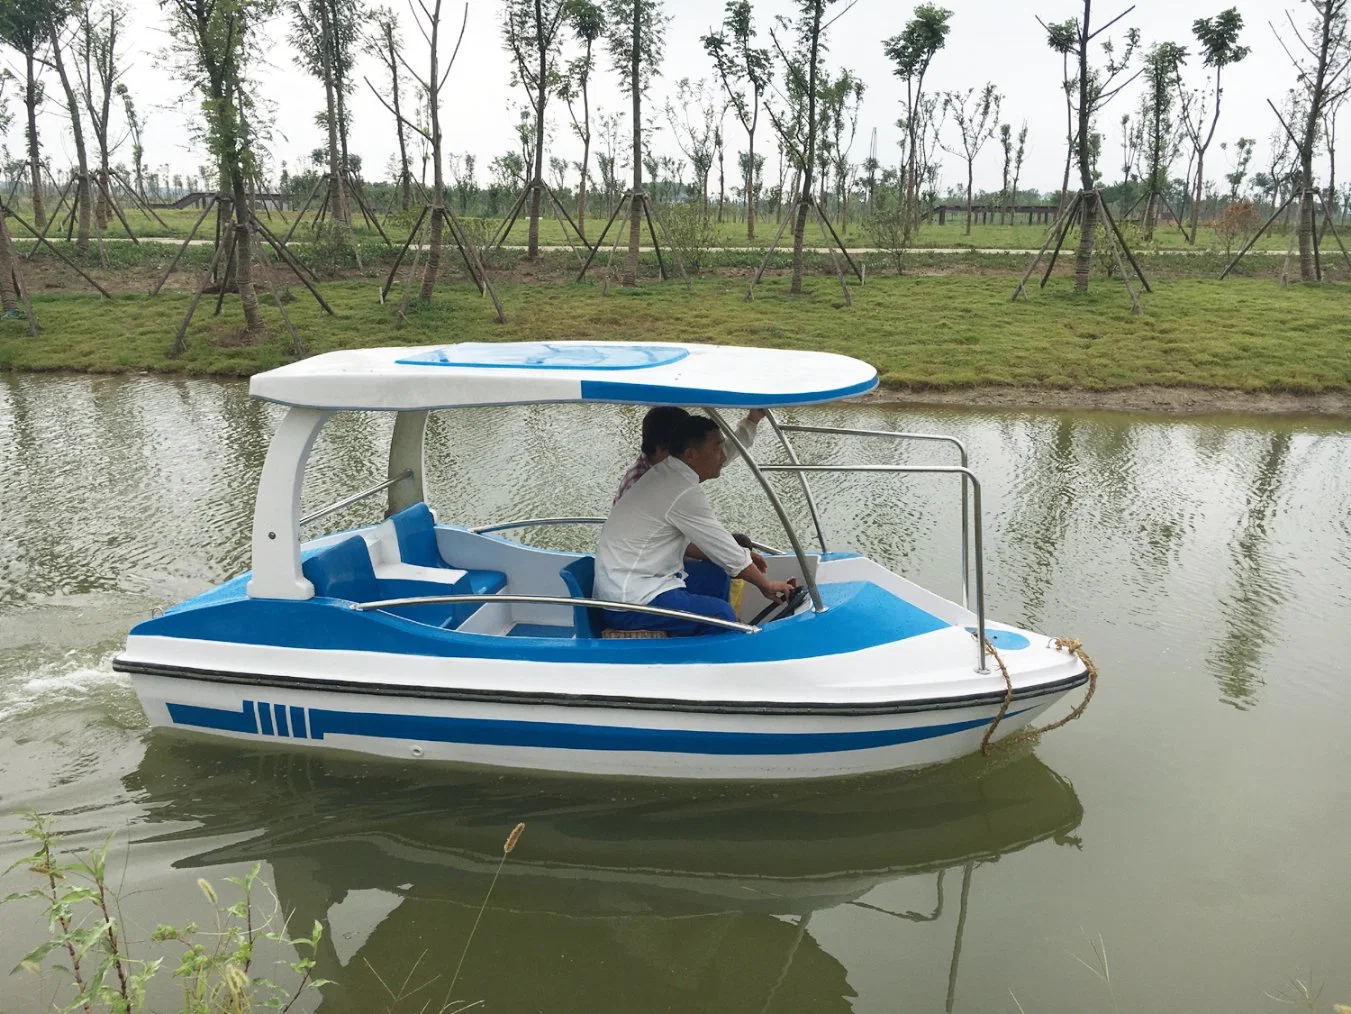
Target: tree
x,y
386,45
530,33
911,52
976,117
799,122
744,72
136,124
1239,167
1019,154
57,16
24,28
1160,72
586,20
1095,88
841,100
1322,83
97,71
695,135
1218,39
636,34
325,33
217,47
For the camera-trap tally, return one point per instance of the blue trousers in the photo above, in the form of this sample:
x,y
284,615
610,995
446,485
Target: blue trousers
x,y
705,592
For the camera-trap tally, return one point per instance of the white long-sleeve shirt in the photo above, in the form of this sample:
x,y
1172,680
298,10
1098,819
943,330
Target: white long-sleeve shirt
x,y
641,550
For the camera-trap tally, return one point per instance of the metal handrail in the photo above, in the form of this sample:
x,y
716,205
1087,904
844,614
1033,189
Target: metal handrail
x,y
806,488
531,522
535,522
894,435
808,575
968,476
379,487
558,600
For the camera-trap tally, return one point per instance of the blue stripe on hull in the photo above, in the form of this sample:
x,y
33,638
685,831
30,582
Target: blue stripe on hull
x,y
564,736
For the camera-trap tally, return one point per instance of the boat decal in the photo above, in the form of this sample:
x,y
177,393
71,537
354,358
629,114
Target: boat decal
x,y
317,723
547,699
672,394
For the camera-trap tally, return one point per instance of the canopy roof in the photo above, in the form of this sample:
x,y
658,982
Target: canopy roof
x,y
513,373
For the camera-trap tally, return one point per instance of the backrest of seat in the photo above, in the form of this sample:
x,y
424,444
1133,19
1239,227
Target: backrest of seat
x,y
415,529
580,577
342,571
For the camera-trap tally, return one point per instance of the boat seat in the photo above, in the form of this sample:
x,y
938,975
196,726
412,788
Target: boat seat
x,y
580,577
344,571
415,530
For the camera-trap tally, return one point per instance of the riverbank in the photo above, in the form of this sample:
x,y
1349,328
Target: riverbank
x,y
1239,345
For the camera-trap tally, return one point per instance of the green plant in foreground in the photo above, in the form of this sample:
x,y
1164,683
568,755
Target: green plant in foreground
x,y
215,967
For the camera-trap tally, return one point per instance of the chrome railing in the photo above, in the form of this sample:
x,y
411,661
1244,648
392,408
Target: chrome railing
x,y
802,478
967,476
356,497
538,522
893,435
535,523
558,600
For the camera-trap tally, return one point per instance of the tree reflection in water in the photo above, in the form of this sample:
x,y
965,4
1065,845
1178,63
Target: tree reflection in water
x,y
619,896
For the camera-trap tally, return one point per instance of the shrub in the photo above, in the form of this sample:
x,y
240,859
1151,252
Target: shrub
x,y
1237,224
690,231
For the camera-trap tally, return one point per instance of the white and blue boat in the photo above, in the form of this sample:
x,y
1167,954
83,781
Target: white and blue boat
x,y
420,638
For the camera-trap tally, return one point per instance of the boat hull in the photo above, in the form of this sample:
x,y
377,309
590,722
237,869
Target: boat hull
x,y
584,737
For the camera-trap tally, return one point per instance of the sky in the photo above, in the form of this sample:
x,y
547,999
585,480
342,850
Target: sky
x,y
990,40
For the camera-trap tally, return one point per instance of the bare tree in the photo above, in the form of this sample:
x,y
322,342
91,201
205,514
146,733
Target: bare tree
x,y
1019,154
98,72
1218,38
976,116
1161,138
1323,82
912,51
586,20
745,74
530,32
695,129
637,40
1095,89
841,101
58,15
386,45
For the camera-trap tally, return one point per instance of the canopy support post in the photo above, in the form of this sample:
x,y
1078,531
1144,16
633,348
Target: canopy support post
x,y
406,454
276,513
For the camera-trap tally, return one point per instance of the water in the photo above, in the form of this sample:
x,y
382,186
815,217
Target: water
x,y
1193,826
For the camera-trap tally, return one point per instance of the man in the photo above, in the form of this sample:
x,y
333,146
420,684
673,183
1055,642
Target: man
x,y
660,427
640,557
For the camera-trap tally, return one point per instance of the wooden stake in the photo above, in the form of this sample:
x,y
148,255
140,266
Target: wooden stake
x,y
601,239
1107,213
1256,236
173,263
384,289
764,261
839,273
1055,228
176,349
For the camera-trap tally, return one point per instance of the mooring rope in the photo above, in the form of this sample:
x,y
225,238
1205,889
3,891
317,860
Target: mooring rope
x,y
1075,647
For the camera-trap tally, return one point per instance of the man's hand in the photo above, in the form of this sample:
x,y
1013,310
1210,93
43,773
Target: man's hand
x,y
756,414
777,590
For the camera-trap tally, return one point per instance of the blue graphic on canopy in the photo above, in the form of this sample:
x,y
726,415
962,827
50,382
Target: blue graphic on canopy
x,y
548,356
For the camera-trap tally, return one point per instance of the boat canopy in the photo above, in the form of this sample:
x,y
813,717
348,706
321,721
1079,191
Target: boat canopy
x,y
515,373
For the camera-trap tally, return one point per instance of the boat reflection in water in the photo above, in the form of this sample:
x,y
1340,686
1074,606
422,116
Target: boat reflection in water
x,y
619,895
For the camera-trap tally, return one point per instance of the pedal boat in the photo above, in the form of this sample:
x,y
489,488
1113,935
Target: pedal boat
x,y
418,638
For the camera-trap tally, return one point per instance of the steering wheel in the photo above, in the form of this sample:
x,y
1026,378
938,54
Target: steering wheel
x,y
795,599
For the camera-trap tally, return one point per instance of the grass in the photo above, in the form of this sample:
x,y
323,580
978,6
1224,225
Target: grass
x,y
934,332
1012,236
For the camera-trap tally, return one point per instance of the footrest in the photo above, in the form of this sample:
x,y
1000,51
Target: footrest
x,y
617,634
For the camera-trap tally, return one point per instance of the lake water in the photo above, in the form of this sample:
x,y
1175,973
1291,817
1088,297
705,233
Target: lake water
x,y
1184,846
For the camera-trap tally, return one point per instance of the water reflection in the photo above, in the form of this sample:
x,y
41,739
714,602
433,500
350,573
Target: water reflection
x,y
639,897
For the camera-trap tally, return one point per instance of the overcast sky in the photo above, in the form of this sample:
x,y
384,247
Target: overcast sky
x,y
994,40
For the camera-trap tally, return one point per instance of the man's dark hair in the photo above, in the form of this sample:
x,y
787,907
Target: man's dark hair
x,y
692,434
661,427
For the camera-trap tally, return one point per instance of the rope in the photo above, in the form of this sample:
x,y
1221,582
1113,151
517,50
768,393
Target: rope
x,y
1075,647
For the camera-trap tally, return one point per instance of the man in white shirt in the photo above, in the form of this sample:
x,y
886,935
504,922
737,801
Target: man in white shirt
x,y
640,557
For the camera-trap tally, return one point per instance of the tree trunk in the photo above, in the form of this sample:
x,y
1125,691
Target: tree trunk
x,y
750,187
9,292
630,276
581,186
800,226
1307,268
1088,230
1196,198
433,256
722,185
438,176
532,244
82,189
248,296
405,176
970,183
34,159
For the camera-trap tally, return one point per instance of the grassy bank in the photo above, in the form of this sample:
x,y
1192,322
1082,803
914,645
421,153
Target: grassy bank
x,y
934,332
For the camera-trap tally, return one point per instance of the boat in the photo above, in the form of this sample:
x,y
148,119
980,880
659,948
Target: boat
x,y
423,639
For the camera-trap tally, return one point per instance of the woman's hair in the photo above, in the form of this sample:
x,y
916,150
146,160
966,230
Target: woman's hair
x,y
692,434
661,427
